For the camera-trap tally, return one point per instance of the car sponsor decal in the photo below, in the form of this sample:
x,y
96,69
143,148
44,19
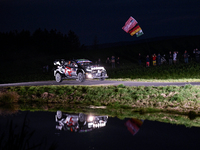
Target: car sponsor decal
x,y
68,70
69,121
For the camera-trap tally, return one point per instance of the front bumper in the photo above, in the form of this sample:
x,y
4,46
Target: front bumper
x,y
96,75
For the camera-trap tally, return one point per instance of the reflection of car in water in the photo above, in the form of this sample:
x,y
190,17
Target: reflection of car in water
x,y
133,125
79,122
79,69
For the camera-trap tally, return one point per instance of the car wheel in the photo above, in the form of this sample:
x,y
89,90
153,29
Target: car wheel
x,y
81,77
58,77
103,74
102,79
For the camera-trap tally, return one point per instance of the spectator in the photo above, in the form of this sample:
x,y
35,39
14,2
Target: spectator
x,y
163,60
197,55
154,59
113,61
185,57
170,58
139,59
174,57
147,61
118,62
44,68
194,52
47,68
108,61
99,62
177,57
159,59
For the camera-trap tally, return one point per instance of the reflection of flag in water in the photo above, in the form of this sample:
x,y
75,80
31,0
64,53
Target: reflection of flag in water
x,y
133,125
131,26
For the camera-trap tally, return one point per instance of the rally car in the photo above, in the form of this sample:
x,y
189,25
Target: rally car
x,y
79,69
79,122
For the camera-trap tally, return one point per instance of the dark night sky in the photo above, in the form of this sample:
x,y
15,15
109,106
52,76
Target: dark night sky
x,y
102,18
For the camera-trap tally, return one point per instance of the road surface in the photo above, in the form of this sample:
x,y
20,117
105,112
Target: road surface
x,y
99,83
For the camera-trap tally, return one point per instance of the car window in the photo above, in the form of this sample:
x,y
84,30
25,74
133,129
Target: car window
x,y
71,64
85,63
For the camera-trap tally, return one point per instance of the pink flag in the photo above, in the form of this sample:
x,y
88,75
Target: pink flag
x,y
130,23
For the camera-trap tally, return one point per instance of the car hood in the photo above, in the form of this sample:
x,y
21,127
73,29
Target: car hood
x,y
96,68
93,67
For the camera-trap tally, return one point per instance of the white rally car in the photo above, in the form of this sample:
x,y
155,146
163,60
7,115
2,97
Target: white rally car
x,y
79,122
79,69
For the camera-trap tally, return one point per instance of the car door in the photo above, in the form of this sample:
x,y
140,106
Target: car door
x,y
68,69
74,68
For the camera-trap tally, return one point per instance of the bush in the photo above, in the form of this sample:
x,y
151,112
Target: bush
x,y
8,97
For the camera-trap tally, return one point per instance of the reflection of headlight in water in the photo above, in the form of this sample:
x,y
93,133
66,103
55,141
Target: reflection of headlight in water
x,y
90,118
89,75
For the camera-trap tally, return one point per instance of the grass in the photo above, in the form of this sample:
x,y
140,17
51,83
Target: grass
x,y
168,98
164,73
187,80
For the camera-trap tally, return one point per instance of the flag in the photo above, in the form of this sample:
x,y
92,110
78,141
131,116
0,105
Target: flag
x,y
130,23
132,27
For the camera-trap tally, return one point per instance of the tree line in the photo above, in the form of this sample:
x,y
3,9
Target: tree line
x,y
40,41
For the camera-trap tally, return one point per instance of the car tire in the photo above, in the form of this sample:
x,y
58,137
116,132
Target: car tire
x,y
102,74
102,79
81,77
58,77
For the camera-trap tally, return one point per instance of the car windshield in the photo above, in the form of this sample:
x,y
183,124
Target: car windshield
x,y
88,63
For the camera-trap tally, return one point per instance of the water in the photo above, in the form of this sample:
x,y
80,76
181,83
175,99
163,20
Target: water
x,y
115,135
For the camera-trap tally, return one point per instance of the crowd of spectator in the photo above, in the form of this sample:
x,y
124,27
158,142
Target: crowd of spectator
x,y
171,58
159,60
110,62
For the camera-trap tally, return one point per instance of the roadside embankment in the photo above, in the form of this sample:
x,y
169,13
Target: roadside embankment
x,y
167,98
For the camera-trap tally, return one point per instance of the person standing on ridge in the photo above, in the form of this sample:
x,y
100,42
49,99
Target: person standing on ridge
x,y
170,57
147,61
159,59
154,59
113,61
118,62
185,55
139,59
174,58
